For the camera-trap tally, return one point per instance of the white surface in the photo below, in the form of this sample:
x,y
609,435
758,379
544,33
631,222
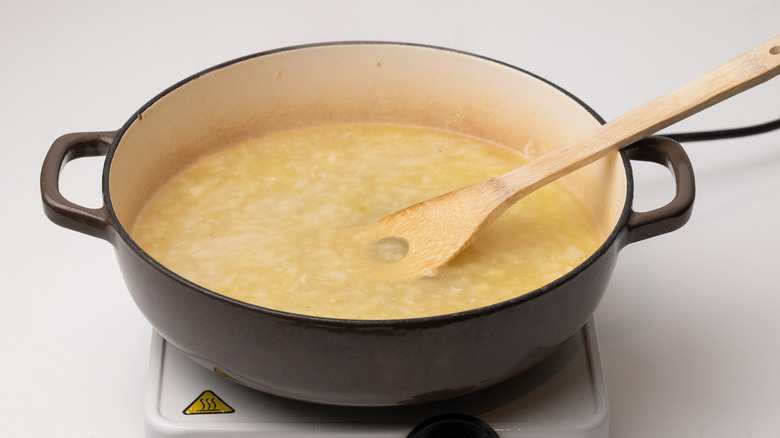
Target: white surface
x,y
688,325
563,397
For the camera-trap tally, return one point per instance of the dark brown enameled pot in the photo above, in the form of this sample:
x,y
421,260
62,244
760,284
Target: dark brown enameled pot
x,y
353,362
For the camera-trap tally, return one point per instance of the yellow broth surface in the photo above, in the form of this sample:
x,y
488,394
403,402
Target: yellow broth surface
x,y
274,221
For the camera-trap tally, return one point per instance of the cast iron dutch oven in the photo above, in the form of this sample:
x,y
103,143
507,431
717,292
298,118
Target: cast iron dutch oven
x,y
360,362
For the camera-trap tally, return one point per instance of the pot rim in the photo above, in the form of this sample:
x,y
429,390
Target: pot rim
x,y
427,321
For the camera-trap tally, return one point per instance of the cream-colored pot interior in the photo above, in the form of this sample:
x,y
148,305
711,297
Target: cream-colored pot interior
x,y
358,82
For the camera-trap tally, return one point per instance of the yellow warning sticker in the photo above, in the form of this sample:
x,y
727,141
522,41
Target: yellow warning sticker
x,y
208,403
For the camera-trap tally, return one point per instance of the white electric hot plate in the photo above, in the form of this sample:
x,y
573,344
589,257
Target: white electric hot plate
x,y
564,396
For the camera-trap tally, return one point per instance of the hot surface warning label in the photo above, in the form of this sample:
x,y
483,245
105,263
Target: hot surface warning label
x,y
208,403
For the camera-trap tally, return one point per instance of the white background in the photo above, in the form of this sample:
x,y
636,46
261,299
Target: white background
x,y
688,327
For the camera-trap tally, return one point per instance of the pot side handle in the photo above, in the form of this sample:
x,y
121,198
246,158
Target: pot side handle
x,y
92,221
669,153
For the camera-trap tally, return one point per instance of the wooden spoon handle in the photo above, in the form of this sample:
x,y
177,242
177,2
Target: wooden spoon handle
x,y
753,67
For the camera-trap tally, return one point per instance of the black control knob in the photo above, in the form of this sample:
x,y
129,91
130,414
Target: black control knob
x,y
453,426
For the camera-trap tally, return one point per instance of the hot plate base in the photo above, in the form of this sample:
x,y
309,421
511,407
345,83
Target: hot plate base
x,y
564,396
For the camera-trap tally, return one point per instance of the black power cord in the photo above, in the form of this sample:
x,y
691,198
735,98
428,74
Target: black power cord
x,y
725,133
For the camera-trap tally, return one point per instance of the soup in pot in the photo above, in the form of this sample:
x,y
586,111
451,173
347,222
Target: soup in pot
x,y
275,221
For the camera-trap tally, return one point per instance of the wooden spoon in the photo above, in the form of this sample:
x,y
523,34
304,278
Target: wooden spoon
x,y
419,239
